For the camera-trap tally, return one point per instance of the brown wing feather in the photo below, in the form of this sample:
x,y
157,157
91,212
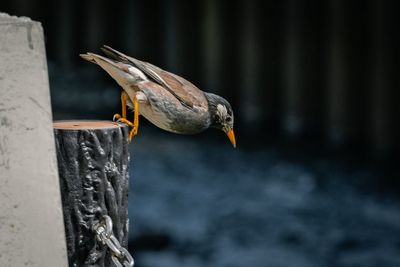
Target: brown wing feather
x,y
181,87
184,89
188,94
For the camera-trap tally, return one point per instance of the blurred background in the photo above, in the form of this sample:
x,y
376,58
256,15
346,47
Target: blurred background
x,y
315,89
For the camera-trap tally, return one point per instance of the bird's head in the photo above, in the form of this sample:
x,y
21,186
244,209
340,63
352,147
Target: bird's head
x,y
221,115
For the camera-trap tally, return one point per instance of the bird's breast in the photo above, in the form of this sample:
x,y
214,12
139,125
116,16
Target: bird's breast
x,y
155,116
175,118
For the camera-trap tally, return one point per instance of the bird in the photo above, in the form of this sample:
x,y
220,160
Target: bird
x,y
167,100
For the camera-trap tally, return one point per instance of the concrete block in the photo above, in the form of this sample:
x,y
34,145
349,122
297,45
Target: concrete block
x,y
31,223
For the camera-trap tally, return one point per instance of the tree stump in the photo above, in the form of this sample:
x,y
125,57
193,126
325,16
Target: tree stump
x,y
93,160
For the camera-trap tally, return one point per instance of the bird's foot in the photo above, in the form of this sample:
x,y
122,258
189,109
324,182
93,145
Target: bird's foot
x,y
134,130
129,123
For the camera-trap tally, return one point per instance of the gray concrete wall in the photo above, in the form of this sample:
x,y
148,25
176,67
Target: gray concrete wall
x,y
31,225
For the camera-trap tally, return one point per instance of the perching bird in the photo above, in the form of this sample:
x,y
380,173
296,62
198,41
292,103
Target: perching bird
x,y
165,99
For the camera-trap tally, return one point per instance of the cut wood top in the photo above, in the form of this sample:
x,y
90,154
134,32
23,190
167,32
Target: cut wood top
x,y
85,124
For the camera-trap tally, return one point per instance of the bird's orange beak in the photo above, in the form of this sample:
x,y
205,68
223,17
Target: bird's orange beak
x,y
231,136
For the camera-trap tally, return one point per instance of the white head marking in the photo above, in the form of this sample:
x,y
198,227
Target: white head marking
x,y
221,111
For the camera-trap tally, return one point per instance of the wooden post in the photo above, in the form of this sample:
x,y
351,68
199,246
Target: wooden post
x,y
93,161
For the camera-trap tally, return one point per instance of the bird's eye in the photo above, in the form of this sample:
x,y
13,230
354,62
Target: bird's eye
x,y
228,119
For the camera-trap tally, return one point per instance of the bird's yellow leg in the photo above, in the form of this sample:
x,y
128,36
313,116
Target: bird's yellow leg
x,y
123,119
135,129
123,104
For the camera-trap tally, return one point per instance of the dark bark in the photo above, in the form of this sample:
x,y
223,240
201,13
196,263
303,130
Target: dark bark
x,y
93,168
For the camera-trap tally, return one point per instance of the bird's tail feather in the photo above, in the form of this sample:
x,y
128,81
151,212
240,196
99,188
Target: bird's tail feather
x,y
97,59
89,57
118,70
113,54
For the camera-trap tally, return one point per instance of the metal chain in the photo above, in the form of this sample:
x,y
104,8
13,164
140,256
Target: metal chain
x,y
119,255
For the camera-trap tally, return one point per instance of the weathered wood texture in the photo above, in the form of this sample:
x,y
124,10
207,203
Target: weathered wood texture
x,y
93,160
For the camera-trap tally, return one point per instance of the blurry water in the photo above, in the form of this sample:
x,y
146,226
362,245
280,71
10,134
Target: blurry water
x,y
195,202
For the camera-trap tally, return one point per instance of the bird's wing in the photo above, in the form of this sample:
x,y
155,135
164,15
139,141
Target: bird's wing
x,y
188,94
184,89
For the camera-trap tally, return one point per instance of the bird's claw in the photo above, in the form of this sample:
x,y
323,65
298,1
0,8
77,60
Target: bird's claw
x,y
116,117
134,130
